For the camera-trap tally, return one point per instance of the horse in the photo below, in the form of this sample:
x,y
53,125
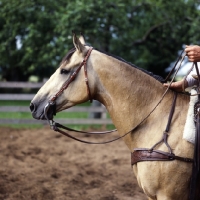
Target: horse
x,y
129,95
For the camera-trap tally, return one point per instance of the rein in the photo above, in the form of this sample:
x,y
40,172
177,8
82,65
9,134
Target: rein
x,y
52,102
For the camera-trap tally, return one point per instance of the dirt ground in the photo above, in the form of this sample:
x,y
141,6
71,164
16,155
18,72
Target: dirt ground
x,y
44,165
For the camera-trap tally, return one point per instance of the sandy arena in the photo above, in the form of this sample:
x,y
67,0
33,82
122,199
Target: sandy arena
x,y
41,164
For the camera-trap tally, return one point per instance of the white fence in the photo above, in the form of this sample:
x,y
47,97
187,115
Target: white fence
x,y
27,85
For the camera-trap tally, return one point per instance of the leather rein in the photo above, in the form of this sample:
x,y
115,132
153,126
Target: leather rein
x,y
58,127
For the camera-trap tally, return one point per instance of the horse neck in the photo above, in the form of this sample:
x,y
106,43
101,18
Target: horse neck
x,y
128,93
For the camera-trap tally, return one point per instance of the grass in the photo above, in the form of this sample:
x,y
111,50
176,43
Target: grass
x,y
27,115
14,103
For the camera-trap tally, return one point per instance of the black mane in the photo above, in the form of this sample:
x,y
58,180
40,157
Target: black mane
x,y
157,77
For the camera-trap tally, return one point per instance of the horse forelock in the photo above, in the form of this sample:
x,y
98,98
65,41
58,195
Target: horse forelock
x,y
68,55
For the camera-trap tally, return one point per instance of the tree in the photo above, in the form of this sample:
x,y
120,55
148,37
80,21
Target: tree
x,y
27,38
147,33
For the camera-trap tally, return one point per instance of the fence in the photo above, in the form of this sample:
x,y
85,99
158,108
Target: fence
x,y
27,85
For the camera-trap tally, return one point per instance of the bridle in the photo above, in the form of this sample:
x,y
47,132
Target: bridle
x,y
52,102
72,78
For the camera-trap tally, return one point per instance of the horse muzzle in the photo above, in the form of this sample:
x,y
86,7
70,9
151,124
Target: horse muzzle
x,y
43,113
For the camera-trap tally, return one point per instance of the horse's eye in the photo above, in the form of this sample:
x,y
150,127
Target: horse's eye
x,y
64,71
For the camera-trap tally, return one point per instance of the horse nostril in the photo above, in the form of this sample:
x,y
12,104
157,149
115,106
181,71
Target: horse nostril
x,y
32,107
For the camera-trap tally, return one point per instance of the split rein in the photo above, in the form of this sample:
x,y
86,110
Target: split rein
x,y
52,103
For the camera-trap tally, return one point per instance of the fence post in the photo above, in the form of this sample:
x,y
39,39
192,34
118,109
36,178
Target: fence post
x,y
95,115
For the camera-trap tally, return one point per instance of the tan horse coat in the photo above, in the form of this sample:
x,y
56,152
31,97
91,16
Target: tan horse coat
x,y
129,96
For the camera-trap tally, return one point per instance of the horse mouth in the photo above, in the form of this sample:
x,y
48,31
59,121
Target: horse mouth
x,y
42,113
41,116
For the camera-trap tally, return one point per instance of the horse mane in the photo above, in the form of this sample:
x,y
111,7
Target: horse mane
x,y
157,77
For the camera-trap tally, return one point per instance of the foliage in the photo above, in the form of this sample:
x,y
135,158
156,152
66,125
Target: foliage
x,y
26,37
36,34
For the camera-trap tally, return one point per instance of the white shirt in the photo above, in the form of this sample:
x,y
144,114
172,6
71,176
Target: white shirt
x,y
192,81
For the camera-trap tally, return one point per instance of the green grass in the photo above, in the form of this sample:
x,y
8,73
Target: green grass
x,y
14,103
27,115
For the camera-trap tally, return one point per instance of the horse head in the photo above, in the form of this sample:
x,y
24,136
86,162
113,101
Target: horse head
x,y
65,88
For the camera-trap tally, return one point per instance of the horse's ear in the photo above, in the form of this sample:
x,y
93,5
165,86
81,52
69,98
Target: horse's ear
x,y
77,43
82,39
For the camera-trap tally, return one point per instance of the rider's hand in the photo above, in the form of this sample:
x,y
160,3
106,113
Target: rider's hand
x,y
193,53
178,86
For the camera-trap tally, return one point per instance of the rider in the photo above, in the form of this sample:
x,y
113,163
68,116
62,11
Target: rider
x,y
193,54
